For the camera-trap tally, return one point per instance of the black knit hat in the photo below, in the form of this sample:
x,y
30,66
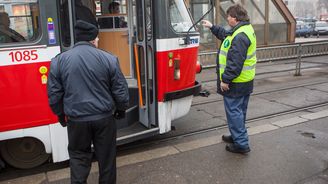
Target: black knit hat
x,y
85,31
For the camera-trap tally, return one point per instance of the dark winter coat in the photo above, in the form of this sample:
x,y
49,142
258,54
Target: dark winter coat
x,y
86,84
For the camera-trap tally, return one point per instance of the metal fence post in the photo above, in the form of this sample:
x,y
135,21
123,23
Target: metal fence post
x,y
299,60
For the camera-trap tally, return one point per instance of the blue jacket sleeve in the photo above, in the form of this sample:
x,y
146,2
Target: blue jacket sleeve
x,y
119,87
219,32
55,89
236,56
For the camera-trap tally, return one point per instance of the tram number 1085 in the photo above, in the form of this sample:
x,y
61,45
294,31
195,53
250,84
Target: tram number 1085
x,y
27,55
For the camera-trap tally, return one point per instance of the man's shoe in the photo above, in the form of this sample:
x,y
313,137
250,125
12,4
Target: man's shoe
x,y
227,138
234,149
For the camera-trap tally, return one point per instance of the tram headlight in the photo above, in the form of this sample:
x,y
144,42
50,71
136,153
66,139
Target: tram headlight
x,y
199,67
176,69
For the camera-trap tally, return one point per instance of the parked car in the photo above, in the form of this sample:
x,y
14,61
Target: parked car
x,y
303,29
321,27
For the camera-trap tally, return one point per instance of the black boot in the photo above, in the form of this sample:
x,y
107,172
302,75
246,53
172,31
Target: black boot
x,y
234,149
227,138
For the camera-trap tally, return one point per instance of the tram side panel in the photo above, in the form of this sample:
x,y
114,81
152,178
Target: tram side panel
x,y
26,118
23,90
24,70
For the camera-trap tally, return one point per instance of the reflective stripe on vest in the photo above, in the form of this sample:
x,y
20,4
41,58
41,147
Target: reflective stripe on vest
x,y
248,71
248,56
244,67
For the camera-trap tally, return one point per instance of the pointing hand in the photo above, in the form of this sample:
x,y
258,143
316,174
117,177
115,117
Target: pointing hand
x,y
207,23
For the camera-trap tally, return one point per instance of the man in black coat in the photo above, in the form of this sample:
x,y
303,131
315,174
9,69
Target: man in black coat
x,y
85,86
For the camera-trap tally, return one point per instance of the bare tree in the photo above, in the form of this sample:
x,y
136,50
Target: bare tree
x,y
299,9
322,6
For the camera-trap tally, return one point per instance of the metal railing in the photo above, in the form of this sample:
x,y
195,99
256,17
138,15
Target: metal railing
x,y
274,53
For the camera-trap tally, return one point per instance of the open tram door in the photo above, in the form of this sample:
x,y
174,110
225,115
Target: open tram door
x,y
144,57
142,111
124,33
130,40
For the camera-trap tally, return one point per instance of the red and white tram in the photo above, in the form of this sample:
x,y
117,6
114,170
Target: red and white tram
x,y
156,60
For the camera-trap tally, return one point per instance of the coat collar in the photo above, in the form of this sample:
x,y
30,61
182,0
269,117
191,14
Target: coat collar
x,y
240,24
83,43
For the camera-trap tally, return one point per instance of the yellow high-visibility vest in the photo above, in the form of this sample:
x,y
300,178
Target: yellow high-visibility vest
x,y
248,72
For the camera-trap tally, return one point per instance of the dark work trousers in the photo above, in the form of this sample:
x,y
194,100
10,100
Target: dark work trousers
x,y
236,108
102,133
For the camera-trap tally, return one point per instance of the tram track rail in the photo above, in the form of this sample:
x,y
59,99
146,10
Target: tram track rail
x,y
264,92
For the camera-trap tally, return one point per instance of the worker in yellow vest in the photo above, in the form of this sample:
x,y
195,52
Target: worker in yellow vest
x,y
236,71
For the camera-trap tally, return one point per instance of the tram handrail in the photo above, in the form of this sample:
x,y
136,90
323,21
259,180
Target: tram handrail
x,y
277,52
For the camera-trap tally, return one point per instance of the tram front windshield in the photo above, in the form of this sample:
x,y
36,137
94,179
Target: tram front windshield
x,y
179,16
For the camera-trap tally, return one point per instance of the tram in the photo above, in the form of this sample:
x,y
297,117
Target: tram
x,y
155,41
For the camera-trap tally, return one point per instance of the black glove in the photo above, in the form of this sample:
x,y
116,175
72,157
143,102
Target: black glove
x,y
62,120
119,114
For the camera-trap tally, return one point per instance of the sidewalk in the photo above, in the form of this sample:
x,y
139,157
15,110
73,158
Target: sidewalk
x,y
293,150
289,151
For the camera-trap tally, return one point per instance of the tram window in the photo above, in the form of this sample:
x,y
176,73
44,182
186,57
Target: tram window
x,y
105,7
65,25
84,10
148,19
140,20
179,16
198,9
114,16
111,22
19,21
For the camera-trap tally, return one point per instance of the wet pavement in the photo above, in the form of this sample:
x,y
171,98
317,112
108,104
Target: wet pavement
x,y
292,150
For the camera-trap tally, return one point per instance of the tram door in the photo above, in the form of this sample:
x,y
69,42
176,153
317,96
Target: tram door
x,y
125,31
144,52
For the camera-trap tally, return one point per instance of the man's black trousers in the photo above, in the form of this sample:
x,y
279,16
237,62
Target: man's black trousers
x,y
102,134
